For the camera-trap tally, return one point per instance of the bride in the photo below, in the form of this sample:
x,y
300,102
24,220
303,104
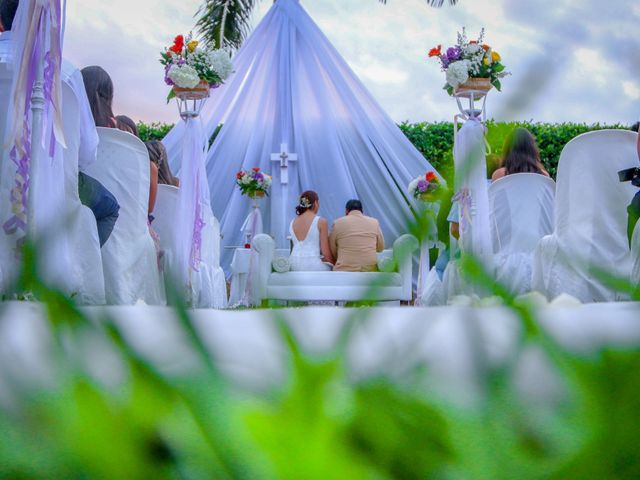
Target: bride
x,y
310,236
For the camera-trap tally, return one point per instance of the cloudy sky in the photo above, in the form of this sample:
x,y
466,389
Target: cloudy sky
x,y
571,60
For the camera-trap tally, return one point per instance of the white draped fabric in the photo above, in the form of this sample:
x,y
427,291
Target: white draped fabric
x,y
590,234
472,190
32,144
635,256
291,86
521,214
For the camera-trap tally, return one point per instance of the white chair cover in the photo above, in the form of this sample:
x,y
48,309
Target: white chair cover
x,y
635,256
81,223
209,289
521,214
129,256
591,219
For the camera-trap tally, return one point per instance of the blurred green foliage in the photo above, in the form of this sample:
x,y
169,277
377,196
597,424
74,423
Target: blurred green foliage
x,y
320,424
435,140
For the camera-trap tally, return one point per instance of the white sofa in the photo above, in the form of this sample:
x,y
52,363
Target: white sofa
x,y
393,286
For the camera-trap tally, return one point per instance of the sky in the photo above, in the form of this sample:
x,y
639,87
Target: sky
x,y
570,60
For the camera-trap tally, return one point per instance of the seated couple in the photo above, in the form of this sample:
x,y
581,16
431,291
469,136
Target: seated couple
x,y
352,245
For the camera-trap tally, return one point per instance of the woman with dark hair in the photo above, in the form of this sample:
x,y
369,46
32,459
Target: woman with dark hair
x,y
158,156
99,87
520,155
310,236
126,124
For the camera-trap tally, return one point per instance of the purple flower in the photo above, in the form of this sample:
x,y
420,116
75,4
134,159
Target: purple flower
x,y
445,61
453,54
423,185
167,80
259,177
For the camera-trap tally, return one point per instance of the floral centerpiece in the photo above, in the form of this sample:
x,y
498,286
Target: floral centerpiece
x,y
191,69
253,183
426,187
470,65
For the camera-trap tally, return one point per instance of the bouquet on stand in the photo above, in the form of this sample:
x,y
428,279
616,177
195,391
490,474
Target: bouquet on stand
x,y
193,70
253,183
470,65
426,188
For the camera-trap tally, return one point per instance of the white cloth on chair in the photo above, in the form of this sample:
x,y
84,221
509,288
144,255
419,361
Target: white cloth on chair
x,y
521,214
209,288
129,255
590,234
635,256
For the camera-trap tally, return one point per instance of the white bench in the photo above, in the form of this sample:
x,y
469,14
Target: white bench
x,y
393,286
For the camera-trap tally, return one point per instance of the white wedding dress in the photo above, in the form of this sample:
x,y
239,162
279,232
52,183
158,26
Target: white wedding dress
x,y
305,256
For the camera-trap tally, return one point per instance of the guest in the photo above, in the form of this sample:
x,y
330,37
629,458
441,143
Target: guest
x,y
99,87
310,236
520,155
158,155
355,239
126,124
92,193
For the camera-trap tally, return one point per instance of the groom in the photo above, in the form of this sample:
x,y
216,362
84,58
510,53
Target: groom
x,y
355,239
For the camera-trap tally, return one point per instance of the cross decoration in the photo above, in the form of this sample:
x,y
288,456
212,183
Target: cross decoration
x,y
284,157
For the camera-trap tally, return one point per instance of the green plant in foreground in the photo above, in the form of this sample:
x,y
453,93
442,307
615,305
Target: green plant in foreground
x,y
321,423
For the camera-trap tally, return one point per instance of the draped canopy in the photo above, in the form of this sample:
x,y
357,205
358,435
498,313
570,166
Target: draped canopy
x,y
292,86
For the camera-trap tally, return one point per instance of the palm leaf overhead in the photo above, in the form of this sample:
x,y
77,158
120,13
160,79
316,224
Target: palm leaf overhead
x,y
226,23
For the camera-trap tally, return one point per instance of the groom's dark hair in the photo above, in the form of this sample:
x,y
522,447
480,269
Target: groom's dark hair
x,y
353,205
8,12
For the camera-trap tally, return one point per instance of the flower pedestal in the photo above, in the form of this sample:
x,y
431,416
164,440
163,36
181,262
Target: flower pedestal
x,y
428,208
193,196
252,225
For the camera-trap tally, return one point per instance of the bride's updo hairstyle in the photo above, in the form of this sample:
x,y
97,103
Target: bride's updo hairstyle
x,y
306,201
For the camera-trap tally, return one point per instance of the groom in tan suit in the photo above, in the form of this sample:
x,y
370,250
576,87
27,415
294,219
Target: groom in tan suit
x,y
355,239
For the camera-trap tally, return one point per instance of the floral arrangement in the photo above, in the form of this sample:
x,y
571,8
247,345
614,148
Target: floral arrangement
x,y
253,183
187,65
469,59
426,187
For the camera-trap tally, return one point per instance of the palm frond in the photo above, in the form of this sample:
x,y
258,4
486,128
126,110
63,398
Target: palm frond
x,y
226,23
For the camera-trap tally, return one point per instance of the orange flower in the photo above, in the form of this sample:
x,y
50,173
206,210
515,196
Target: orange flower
x,y
473,42
435,51
486,47
256,169
239,175
431,177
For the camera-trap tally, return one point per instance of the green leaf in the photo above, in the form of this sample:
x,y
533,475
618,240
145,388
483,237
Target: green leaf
x,y
171,95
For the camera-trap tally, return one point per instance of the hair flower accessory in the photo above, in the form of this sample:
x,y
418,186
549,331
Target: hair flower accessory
x,y
304,203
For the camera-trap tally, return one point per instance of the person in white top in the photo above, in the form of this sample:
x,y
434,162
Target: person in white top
x,y
310,236
92,193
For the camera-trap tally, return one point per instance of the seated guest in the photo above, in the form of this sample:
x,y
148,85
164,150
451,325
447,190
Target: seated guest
x,y
520,155
126,124
310,236
91,192
355,239
99,87
158,156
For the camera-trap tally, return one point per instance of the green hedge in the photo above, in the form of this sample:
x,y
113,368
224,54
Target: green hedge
x,y
435,140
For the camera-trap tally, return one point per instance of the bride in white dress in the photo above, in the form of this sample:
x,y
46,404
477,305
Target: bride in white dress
x,y
310,236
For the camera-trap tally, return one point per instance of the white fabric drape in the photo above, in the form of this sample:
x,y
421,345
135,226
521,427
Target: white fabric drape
x,y
193,200
472,191
590,234
292,86
521,214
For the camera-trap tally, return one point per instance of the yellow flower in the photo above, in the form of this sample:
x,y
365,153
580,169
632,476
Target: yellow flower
x,y
495,56
192,45
487,60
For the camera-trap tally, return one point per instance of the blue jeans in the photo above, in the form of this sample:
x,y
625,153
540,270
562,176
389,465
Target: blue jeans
x,y
101,202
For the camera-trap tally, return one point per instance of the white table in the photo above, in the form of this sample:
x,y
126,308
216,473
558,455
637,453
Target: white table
x,y
240,266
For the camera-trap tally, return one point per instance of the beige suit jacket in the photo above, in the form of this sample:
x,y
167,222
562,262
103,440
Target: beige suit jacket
x,y
354,241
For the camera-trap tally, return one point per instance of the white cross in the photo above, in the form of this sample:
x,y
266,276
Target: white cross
x,y
284,157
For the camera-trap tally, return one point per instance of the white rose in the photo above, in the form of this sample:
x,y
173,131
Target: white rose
x,y
184,76
458,73
221,63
